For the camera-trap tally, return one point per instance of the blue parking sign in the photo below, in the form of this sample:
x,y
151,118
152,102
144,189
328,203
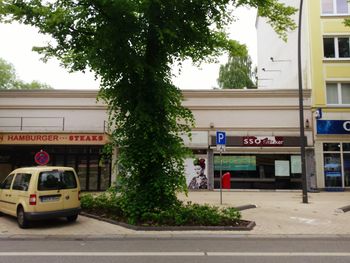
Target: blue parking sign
x,y
221,138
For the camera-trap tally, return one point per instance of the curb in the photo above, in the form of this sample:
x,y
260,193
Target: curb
x,y
343,209
245,207
248,227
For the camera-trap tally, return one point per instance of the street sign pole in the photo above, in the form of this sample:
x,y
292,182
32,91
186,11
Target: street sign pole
x,y
220,145
221,175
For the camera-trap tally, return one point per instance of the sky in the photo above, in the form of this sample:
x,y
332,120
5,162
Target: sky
x,y
17,42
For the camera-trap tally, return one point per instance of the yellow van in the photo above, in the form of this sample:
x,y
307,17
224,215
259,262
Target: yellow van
x,y
42,192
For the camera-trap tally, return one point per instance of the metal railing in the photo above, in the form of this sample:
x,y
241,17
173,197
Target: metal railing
x,y
30,123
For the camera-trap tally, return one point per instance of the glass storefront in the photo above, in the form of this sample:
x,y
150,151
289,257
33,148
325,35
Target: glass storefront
x,y
336,164
259,171
94,174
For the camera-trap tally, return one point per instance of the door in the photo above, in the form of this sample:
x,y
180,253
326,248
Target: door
x,y
50,196
6,198
70,189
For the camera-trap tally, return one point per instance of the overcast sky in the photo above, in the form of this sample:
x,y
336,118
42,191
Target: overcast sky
x,y
17,41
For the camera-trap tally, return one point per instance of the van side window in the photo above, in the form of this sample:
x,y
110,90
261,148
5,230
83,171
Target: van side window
x,y
21,182
6,184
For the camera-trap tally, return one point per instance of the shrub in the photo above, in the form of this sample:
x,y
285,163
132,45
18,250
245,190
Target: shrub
x,y
109,204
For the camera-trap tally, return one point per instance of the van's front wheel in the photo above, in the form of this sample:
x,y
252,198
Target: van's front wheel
x,y
72,218
21,218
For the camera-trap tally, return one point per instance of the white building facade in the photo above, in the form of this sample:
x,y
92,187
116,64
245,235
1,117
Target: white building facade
x,y
262,129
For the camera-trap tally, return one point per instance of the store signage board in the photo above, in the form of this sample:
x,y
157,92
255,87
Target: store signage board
x,y
54,138
333,126
263,141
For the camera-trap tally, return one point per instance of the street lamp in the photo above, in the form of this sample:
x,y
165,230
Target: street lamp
x,y
301,112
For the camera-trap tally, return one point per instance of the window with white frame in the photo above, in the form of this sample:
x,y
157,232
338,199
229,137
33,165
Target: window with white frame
x,y
335,7
336,47
338,93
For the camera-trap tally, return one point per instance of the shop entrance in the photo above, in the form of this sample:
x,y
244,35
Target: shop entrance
x,y
94,172
336,164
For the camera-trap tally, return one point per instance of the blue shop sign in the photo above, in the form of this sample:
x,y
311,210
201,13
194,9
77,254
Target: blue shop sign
x,y
333,127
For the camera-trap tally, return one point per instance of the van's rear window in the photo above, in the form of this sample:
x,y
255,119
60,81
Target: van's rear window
x,y
51,180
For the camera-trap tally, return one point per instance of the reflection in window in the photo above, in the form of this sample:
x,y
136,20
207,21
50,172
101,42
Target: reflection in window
x,y
338,93
331,147
345,93
343,47
336,47
332,170
93,172
335,7
346,158
332,93
329,48
327,6
342,6
346,147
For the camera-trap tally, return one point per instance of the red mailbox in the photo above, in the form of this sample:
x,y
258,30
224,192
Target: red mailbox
x,y
226,181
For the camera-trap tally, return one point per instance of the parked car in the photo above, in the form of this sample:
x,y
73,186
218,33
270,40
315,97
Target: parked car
x,y
43,192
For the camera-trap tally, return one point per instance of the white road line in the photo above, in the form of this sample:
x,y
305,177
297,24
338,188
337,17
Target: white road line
x,y
175,254
100,254
279,254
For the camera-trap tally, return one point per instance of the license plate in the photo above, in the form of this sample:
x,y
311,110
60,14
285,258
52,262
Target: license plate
x,y
49,198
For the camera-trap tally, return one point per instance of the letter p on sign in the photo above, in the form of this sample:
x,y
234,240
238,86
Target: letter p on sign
x,y
220,138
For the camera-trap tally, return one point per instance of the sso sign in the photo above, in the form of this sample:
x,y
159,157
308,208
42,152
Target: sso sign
x,y
220,138
333,127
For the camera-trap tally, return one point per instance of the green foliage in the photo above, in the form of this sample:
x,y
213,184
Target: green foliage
x,y
131,45
8,79
237,73
347,22
109,204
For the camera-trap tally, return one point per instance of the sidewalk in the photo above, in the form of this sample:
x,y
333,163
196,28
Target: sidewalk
x,y
277,214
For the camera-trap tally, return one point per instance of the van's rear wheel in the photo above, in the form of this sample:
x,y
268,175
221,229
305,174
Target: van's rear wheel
x,y
21,218
72,218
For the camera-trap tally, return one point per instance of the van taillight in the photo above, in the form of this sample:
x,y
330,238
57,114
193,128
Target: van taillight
x,y
79,195
32,199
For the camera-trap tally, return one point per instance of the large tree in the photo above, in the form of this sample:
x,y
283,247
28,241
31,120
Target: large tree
x,y
237,73
9,80
131,45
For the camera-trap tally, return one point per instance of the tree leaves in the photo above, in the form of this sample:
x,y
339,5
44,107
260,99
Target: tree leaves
x,y
131,45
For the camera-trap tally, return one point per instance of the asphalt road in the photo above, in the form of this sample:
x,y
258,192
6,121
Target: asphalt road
x,y
262,250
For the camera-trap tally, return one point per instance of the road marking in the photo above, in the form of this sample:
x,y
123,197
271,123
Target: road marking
x,y
279,254
175,254
100,254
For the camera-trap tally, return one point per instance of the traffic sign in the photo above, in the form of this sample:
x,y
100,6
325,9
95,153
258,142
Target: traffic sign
x,y
220,147
220,138
42,157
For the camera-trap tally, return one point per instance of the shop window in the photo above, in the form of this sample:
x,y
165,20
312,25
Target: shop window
x,y
259,171
346,147
346,159
93,173
331,147
338,93
336,47
332,170
330,7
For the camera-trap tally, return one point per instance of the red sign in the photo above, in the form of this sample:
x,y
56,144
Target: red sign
x,y
42,158
263,141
